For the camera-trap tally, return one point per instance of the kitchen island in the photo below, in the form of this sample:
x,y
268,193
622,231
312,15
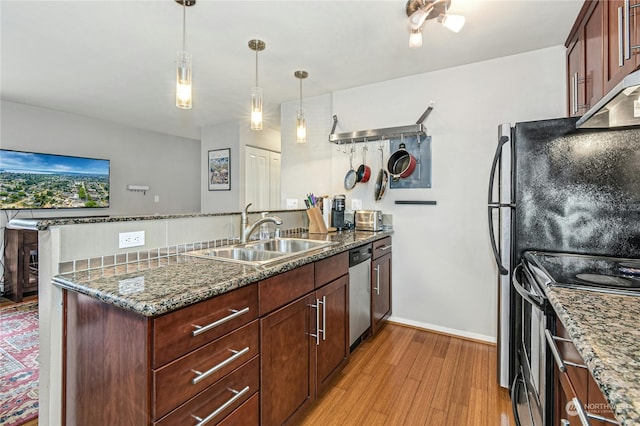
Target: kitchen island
x,y
160,340
605,329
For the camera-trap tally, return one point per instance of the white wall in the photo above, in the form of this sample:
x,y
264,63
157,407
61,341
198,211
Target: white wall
x,y
235,135
444,276
167,164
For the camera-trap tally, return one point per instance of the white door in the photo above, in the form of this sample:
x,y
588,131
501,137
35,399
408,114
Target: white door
x,y
262,178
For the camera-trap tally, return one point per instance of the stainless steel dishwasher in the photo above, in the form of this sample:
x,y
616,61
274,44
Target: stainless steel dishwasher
x,y
359,293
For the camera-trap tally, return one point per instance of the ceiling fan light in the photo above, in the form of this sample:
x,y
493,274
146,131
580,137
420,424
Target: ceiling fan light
x,y
417,18
415,39
452,22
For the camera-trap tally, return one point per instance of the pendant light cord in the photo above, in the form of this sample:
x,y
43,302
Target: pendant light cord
x,y
257,68
301,95
184,25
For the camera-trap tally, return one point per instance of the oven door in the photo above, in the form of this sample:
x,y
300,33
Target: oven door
x,y
529,393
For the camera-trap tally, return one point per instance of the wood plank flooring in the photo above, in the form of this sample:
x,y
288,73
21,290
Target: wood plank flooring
x,y
406,376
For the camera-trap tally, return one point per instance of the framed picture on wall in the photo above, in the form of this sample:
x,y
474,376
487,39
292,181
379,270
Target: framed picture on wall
x,y
219,170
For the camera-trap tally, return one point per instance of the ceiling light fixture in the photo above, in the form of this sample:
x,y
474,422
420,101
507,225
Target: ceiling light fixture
x,y
256,91
420,11
183,61
301,125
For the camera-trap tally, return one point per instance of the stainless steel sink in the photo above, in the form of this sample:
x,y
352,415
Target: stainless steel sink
x,y
261,252
288,245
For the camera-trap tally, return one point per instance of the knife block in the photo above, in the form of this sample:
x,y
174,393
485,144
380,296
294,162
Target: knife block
x,y
316,222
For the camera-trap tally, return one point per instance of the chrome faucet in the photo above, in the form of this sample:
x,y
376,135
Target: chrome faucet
x,y
247,230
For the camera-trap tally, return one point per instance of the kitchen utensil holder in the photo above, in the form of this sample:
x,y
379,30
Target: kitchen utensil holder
x,y
316,222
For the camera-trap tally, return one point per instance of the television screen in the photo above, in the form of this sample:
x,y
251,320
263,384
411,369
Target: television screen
x,y
30,180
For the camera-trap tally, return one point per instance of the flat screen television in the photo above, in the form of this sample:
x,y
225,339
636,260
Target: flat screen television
x,y
32,180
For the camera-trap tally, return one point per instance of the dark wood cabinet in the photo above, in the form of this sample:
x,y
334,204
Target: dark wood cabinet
x,y
305,343
380,283
621,35
576,382
124,368
585,59
20,263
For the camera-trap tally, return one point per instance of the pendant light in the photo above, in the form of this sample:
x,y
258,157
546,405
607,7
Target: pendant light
x,y
183,64
301,125
256,91
420,11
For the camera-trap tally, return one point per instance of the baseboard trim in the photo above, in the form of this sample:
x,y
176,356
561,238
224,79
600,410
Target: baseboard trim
x,y
480,338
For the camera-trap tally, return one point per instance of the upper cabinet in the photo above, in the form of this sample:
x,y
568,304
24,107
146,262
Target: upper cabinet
x,y
585,59
602,48
622,38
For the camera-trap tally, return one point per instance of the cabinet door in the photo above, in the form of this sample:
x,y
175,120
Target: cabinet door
x,y
574,71
333,347
616,65
593,56
380,291
287,358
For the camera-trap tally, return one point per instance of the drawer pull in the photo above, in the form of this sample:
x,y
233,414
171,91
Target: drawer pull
x,y
581,413
234,314
601,419
234,398
385,248
201,376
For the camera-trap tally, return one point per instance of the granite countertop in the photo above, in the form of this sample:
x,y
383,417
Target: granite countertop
x,y
155,288
605,329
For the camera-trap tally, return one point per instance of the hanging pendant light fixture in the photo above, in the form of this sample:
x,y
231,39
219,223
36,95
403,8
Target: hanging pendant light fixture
x,y
256,91
301,124
183,64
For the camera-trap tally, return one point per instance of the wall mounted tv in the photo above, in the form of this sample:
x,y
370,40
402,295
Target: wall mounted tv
x,y
31,180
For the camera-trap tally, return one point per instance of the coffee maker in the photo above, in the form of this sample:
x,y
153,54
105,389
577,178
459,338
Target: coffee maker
x,y
337,212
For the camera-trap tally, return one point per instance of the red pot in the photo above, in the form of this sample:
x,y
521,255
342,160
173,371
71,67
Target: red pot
x,y
401,164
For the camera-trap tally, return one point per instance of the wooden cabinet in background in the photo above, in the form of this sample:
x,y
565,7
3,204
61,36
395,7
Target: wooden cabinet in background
x,y
20,263
585,59
621,32
380,283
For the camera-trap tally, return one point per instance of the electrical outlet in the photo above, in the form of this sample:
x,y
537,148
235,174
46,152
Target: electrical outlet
x,y
356,204
292,203
130,239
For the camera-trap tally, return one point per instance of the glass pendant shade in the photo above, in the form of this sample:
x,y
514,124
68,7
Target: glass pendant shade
x,y
301,128
256,108
183,80
453,22
415,38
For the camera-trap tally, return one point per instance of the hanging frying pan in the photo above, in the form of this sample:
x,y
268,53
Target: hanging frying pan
x,y
351,177
401,163
364,171
383,178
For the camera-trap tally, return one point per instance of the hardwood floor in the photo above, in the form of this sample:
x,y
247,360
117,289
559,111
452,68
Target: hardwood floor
x,y
406,376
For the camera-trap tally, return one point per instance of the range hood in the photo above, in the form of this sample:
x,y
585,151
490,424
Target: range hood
x,y
618,108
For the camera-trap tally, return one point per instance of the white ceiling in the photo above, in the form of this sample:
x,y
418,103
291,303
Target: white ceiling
x,y
115,60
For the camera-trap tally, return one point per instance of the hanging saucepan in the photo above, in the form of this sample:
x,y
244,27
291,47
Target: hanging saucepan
x,y
383,177
364,171
351,176
401,163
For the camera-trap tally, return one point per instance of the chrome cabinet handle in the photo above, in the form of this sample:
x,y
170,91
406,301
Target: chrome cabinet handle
x,y
565,422
627,30
317,308
234,398
324,317
601,419
385,248
377,287
201,376
620,38
581,413
554,351
234,314
574,81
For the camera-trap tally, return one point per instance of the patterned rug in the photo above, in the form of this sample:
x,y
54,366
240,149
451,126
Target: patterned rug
x,y
19,367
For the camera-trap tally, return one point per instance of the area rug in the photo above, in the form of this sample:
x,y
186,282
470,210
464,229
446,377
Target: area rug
x,y
19,348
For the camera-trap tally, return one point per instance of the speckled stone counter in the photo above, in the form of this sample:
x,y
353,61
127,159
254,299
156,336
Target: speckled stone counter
x,y
155,288
605,329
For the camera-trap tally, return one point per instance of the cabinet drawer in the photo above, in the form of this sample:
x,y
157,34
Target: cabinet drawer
x,y
248,414
331,268
219,399
381,247
173,334
173,383
279,290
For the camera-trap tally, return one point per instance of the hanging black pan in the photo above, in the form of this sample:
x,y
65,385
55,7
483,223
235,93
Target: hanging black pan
x,y
382,180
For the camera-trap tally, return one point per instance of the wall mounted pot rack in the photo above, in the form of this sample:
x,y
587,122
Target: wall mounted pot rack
x,y
372,135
